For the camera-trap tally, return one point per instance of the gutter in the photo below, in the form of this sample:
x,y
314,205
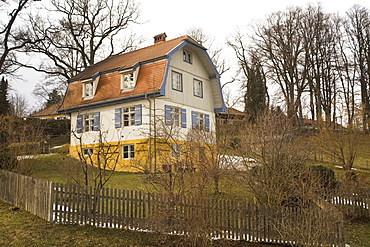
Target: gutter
x,y
111,102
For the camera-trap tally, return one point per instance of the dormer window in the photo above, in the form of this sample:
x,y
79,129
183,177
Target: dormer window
x,y
88,89
128,81
187,56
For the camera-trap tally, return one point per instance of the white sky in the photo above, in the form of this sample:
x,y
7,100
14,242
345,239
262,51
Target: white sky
x,y
217,20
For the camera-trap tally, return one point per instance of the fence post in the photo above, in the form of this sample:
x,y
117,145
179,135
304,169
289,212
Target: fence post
x,y
51,202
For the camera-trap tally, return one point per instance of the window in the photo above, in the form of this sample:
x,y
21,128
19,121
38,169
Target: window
x,y
87,151
198,88
187,56
176,151
172,115
128,151
175,116
88,122
200,121
128,116
127,81
88,89
176,81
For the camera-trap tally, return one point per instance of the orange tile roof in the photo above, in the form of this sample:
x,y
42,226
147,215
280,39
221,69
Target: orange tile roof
x,y
128,60
149,79
49,111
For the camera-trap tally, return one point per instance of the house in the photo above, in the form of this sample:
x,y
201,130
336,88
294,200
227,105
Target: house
x,y
122,100
51,112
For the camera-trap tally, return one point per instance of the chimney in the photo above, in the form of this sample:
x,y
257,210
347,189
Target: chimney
x,y
160,38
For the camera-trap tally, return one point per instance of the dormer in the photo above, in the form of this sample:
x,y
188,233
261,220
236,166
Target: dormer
x,y
128,79
89,87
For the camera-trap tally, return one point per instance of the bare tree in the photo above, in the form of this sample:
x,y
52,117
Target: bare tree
x,y
338,146
12,38
256,98
214,50
79,34
358,30
279,41
320,38
347,72
18,105
98,161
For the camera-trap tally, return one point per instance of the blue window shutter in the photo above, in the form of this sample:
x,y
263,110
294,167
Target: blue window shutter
x,y
79,123
96,121
194,119
138,114
183,117
207,122
167,114
118,117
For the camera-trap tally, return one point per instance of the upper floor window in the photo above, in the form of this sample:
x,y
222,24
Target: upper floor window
x,y
187,56
128,81
88,89
198,88
175,116
128,116
88,122
200,121
176,79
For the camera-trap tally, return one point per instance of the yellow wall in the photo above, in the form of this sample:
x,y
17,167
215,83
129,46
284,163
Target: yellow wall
x,y
148,158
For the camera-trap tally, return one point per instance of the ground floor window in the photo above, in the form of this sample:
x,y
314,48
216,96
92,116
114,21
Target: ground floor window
x,y
87,151
128,151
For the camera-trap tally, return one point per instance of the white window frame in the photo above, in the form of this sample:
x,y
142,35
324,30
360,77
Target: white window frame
x,y
198,88
88,122
128,80
128,116
187,56
88,89
176,151
87,151
176,81
200,120
130,151
175,115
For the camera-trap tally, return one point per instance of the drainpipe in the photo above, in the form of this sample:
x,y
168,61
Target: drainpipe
x,y
149,160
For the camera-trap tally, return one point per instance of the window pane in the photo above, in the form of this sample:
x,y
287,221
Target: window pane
x,y
176,81
128,116
198,88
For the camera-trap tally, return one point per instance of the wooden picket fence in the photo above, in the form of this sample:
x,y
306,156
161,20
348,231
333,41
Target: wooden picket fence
x,y
31,194
214,218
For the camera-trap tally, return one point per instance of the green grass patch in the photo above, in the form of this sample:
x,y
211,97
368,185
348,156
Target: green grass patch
x,y
358,233
20,228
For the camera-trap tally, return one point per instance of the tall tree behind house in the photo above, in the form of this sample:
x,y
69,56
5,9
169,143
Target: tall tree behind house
x,y
4,101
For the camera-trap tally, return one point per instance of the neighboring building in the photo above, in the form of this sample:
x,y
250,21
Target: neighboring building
x,y
124,97
50,112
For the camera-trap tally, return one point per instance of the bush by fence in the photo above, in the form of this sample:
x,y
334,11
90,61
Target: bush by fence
x,y
137,210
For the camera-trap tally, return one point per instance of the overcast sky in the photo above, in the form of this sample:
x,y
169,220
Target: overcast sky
x,y
217,20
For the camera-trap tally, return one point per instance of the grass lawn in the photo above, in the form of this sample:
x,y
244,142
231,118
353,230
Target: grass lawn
x,y
20,228
358,233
